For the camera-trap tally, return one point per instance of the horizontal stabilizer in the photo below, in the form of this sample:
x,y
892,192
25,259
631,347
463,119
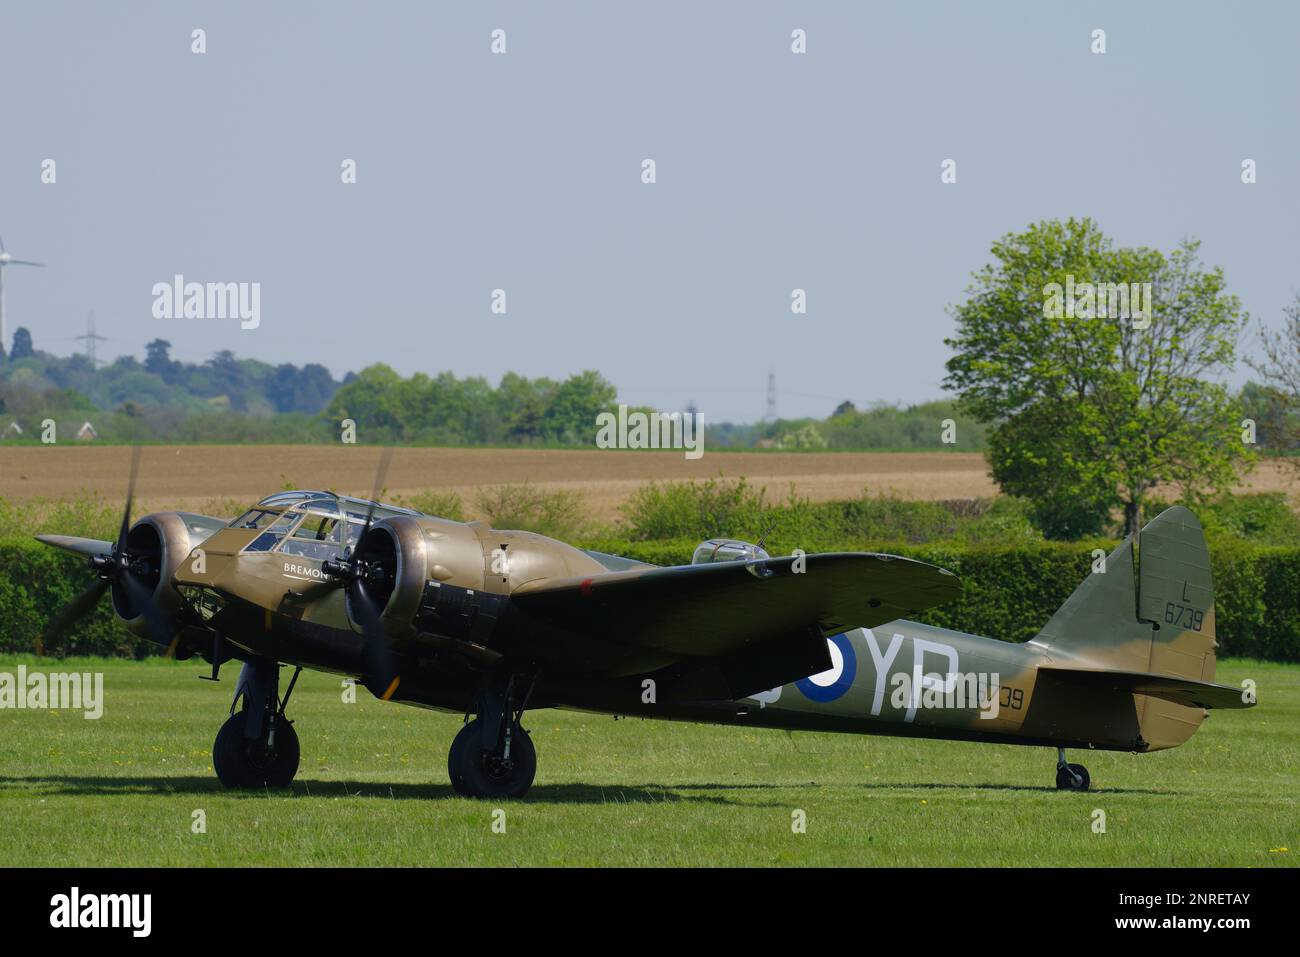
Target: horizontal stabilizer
x,y
1184,691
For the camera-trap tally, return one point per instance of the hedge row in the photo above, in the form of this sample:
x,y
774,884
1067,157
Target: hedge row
x,y
35,582
1008,592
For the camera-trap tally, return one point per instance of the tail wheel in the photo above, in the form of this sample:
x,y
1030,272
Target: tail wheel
x,y
1072,777
476,772
241,762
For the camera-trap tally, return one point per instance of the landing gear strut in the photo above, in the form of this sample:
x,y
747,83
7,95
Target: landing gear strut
x,y
492,755
1070,777
257,746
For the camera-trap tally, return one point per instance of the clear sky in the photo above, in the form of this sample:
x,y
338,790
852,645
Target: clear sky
x,y
522,171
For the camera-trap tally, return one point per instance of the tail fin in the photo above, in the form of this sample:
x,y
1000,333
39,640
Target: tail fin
x,y
1158,622
1176,594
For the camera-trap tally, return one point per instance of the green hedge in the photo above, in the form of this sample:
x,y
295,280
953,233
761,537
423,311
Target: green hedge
x,y
35,582
1008,592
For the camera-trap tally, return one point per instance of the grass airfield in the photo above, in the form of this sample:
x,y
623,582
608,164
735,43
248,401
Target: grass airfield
x,y
372,789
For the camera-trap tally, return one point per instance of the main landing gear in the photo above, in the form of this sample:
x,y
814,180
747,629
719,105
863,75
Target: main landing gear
x,y
492,756
257,746
1070,777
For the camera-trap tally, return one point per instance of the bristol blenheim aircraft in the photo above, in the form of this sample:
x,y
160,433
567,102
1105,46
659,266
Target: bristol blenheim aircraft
x,y
487,623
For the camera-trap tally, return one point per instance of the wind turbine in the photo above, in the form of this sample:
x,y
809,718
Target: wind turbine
x,y
8,260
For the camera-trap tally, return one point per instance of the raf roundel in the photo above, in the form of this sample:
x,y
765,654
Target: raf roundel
x,y
835,680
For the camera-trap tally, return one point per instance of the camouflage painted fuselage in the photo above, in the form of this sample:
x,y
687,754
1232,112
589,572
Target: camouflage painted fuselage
x,y
901,678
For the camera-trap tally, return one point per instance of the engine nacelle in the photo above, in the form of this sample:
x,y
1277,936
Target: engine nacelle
x,y
398,545
158,543
453,579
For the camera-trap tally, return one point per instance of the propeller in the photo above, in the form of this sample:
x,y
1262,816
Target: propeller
x,y
115,567
358,575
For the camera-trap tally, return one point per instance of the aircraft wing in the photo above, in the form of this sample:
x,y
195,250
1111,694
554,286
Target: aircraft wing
x,y
727,607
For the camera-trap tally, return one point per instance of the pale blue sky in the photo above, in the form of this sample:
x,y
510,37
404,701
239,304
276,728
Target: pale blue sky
x,y
521,171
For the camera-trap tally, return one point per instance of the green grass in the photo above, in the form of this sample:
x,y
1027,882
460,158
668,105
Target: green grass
x,y
372,789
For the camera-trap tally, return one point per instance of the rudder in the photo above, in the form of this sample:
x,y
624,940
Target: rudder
x,y
1176,594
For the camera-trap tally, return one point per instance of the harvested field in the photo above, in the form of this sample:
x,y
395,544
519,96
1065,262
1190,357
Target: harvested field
x,y
191,475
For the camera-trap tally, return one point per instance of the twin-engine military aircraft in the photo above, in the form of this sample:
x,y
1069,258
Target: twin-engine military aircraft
x,y
465,618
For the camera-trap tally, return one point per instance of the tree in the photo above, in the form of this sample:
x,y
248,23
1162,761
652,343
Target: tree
x,y
158,361
227,377
314,389
22,348
1099,390
522,405
571,415
1280,368
370,399
281,386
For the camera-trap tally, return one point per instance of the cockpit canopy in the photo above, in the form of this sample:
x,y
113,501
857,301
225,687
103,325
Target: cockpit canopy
x,y
726,550
317,525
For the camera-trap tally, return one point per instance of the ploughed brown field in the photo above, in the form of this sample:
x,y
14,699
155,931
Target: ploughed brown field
x,y
188,476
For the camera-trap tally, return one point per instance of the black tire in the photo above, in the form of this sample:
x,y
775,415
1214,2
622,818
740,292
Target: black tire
x,y
1065,781
454,758
475,772
241,763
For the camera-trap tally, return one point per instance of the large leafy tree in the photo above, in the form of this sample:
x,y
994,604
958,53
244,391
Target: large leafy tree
x,y
1089,410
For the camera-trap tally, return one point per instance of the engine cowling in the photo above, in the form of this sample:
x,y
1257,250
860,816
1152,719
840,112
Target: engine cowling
x,y
424,574
158,543
398,549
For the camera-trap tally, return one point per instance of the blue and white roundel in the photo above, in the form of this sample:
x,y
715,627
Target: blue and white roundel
x,y
838,678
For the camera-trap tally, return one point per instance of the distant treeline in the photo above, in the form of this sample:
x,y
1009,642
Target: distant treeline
x,y
445,410
222,399
929,425
228,399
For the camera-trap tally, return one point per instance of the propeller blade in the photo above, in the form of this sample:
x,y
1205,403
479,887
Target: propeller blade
x,y
23,262
156,623
79,546
381,473
378,660
73,612
115,571
130,495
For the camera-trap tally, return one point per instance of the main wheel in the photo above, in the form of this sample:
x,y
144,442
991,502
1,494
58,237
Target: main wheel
x,y
476,772
1076,781
455,757
244,763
